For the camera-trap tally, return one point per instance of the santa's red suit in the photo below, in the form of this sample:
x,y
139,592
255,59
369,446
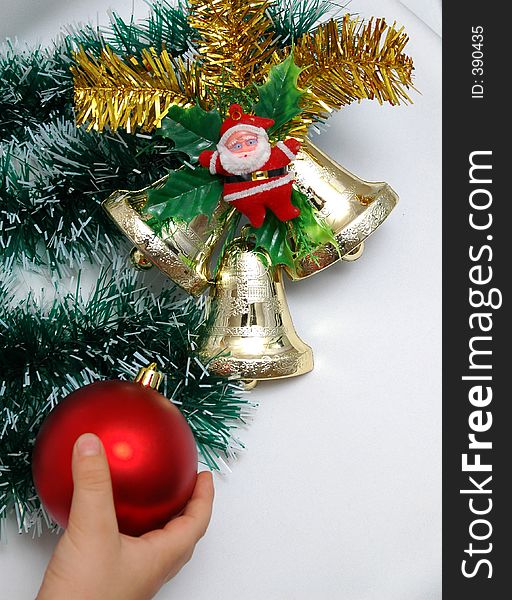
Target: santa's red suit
x,y
259,179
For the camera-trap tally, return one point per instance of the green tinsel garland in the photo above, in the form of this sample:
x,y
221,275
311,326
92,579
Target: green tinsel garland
x,y
53,184
48,349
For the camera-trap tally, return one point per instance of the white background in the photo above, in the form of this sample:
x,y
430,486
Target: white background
x,y
338,496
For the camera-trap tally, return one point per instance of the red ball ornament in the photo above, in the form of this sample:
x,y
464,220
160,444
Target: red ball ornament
x,y
149,445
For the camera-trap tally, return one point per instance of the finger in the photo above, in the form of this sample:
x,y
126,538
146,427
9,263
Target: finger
x,y
191,525
199,507
174,544
92,507
182,533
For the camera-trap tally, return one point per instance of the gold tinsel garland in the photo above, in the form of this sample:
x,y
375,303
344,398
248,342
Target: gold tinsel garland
x,y
235,49
235,41
111,92
351,61
354,61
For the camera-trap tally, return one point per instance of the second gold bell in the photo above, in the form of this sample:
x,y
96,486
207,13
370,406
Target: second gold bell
x,y
249,330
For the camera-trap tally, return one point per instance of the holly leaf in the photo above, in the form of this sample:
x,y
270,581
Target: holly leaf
x,y
272,236
308,229
279,96
287,242
192,130
186,194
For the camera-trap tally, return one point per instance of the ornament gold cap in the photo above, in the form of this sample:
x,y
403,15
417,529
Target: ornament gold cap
x,y
149,376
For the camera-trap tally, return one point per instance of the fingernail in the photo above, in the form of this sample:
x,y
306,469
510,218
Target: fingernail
x,y
88,444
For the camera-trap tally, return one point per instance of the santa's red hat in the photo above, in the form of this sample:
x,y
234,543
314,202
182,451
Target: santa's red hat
x,y
237,117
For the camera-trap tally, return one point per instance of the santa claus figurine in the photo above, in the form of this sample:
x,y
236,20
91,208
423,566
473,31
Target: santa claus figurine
x,y
255,173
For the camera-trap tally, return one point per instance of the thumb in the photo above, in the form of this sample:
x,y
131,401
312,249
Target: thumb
x,y
92,508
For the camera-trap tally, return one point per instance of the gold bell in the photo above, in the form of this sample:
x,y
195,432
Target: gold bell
x,y
181,250
249,330
353,208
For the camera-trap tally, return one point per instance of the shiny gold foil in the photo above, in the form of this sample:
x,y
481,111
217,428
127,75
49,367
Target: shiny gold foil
x,y
353,208
182,251
249,330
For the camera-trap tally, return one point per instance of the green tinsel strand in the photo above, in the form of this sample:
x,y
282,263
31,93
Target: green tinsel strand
x,y
53,185
165,27
35,84
15,212
293,18
47,352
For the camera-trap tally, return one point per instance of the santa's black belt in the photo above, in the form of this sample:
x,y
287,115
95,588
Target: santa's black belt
x,y
256,176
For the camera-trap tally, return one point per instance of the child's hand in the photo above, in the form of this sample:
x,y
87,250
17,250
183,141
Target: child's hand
x,y
93,561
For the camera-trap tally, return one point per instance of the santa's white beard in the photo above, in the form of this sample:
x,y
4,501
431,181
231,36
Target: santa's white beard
x,y
238,164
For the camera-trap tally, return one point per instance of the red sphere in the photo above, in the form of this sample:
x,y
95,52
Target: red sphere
x,y
150,449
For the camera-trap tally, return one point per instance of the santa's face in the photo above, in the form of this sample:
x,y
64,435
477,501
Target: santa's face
x,y
242,142
244,150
